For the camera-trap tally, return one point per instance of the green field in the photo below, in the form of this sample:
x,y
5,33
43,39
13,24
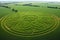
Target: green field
x,y
31,21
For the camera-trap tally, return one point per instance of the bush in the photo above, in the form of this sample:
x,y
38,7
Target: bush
x,y
14,10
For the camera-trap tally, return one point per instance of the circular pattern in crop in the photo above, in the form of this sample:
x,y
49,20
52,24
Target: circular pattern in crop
x,y
29,25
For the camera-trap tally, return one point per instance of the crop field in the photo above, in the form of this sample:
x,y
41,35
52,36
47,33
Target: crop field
x,y
30,21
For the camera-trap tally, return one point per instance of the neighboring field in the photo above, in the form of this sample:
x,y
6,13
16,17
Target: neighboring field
x,y
30,20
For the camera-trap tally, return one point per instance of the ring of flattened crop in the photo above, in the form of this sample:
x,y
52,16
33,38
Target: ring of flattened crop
x,y
33,33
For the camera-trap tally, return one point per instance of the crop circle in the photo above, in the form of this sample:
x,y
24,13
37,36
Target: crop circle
x,y
29,25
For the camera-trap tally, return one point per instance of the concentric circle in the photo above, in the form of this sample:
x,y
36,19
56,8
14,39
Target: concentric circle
x,y
29,25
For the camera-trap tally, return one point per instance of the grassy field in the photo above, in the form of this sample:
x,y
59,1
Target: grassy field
x,y
30,21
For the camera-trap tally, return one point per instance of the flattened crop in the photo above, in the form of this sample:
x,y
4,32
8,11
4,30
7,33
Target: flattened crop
x,y
29,25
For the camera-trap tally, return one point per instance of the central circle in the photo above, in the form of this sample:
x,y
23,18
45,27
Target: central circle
x,y
30,17
29,25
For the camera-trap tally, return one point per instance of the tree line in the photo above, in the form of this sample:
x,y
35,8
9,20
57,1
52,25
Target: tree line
x,y
30,5
10,8
53,7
